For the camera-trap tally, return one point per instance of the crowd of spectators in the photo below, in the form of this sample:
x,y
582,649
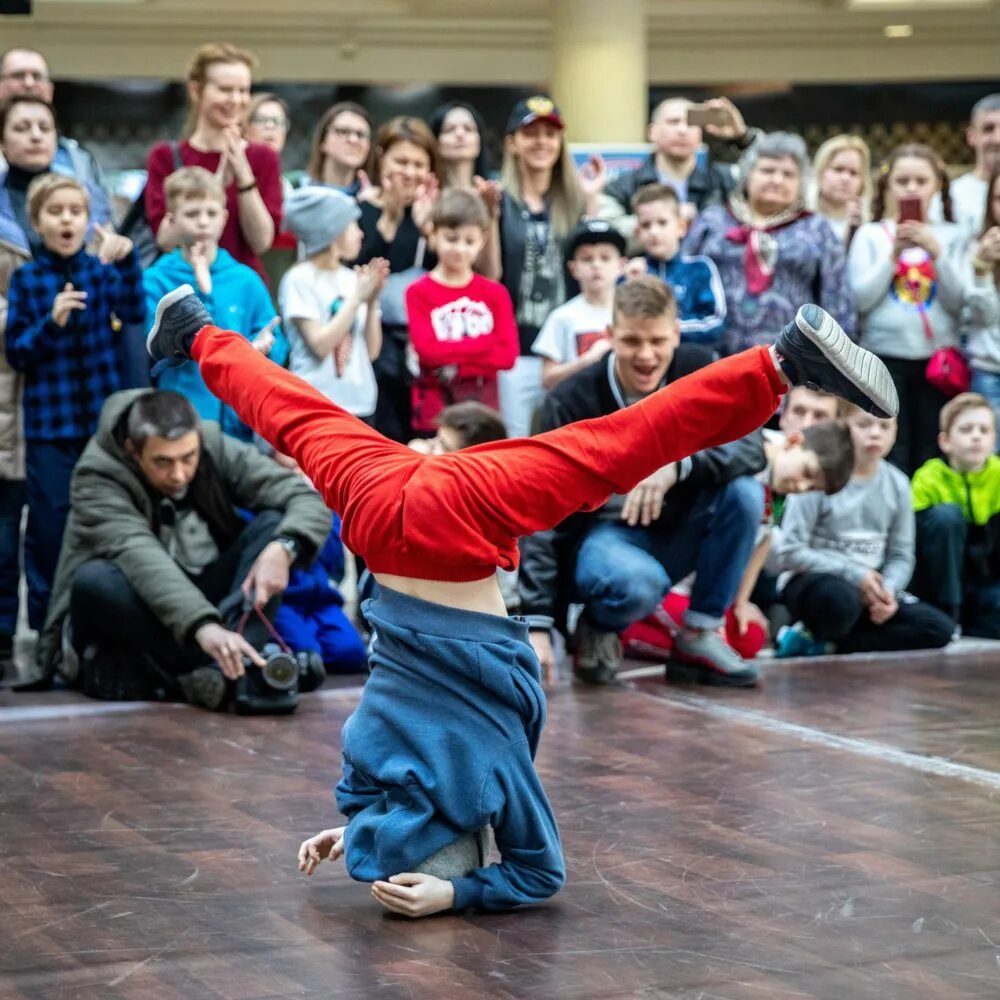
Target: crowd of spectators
x,y
447,297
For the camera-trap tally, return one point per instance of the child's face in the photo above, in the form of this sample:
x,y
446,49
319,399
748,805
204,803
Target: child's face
x,y
659,228
199,220
796,469
873,437
62,221
457,247
348,243
971,439
912,177
597,267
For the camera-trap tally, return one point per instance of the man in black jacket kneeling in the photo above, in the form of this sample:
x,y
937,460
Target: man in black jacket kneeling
x,y
700,515
173,529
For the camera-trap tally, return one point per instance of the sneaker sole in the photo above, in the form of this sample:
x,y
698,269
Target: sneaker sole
x,y
679,670
860,367
181,292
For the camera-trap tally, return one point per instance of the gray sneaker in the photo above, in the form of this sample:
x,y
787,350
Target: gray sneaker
x,y
205,686
815,352
597,655
708,659
180,314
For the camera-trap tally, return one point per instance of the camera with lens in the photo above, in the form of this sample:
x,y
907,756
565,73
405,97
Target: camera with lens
x,y
274,688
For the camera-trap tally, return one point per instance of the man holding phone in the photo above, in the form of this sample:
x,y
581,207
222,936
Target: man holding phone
x,y
678,128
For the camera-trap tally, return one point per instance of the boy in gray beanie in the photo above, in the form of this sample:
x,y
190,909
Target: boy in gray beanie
x,y
329,310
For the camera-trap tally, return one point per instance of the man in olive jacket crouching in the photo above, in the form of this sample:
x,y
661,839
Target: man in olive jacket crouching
x,y
157,560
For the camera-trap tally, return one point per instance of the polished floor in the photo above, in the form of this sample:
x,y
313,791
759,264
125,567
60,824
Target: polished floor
x,y
835,834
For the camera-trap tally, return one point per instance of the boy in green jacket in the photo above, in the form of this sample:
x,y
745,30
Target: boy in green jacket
x,y
958,519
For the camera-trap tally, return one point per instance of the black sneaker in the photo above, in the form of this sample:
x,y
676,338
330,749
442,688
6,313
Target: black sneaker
x,y
180,314
597,655
205,686
815,352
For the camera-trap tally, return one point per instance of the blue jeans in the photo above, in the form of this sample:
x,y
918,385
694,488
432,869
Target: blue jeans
x,y
987,384
11,503
49,466
623,573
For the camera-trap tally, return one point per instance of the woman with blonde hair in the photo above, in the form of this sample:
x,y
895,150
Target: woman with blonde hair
x,y
543,201
842,190
219,78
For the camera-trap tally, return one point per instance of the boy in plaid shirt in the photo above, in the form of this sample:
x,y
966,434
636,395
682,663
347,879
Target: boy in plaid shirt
x,y
65,310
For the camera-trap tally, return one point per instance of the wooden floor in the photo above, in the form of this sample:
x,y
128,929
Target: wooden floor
x,y
835,834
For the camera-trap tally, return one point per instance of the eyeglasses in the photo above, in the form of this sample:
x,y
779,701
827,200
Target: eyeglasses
x,y
357,134
270,121
23,75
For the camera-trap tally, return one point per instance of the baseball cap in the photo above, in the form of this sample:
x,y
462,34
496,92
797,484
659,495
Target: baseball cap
x,y
533,109
592,231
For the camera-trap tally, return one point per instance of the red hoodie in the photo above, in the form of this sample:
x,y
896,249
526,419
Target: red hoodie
x,y
471,327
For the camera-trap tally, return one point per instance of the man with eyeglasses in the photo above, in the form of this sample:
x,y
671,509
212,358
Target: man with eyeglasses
x,y
25,71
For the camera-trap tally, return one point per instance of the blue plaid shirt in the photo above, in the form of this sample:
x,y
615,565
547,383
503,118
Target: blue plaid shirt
x,y
70,371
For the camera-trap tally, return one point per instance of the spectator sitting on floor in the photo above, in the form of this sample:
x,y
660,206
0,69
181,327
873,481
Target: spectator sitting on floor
x,y
25,73
848,559
821,457
957,501
695,281
233,293
66,309
311,617
700,514
157,561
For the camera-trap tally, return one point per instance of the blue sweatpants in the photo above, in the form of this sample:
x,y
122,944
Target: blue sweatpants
x,y
443,744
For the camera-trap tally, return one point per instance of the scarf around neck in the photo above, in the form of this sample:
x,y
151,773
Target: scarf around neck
x,y
761,257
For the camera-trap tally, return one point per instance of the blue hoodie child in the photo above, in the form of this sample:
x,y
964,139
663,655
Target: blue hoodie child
x,y
442,745
239,301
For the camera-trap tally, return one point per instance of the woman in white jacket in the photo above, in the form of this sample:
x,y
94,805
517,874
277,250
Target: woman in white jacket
x,y
909,279
982,315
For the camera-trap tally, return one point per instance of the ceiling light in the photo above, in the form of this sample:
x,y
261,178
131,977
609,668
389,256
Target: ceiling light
x,y
898,30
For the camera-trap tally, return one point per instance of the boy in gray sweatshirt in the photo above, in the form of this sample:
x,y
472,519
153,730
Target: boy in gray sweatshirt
x,y
848,557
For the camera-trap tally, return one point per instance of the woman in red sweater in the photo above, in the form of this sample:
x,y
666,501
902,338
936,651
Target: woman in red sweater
x,y
219,79
462,325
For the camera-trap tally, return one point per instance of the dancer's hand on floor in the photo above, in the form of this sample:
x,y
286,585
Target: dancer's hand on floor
x,y
645,503
414,895
327,845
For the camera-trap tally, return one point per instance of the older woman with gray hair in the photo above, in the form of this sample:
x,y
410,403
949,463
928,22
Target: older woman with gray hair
x,y
773,254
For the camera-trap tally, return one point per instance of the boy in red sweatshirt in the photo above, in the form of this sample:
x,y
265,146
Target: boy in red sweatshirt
x,y
442,743
462,325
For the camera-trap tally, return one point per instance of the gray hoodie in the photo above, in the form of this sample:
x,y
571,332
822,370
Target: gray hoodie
x,y
867,525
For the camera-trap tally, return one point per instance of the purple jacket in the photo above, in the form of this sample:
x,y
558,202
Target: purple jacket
x,y
811,268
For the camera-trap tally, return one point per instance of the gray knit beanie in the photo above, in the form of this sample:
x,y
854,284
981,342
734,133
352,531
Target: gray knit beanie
x,y
316,216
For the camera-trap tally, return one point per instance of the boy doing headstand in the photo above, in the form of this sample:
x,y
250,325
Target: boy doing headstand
x,y
443,740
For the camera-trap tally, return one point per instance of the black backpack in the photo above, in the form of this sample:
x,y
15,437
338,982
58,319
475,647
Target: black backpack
x,y
136,226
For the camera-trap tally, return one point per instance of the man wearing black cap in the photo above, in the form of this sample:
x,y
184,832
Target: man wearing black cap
x,y
576,334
